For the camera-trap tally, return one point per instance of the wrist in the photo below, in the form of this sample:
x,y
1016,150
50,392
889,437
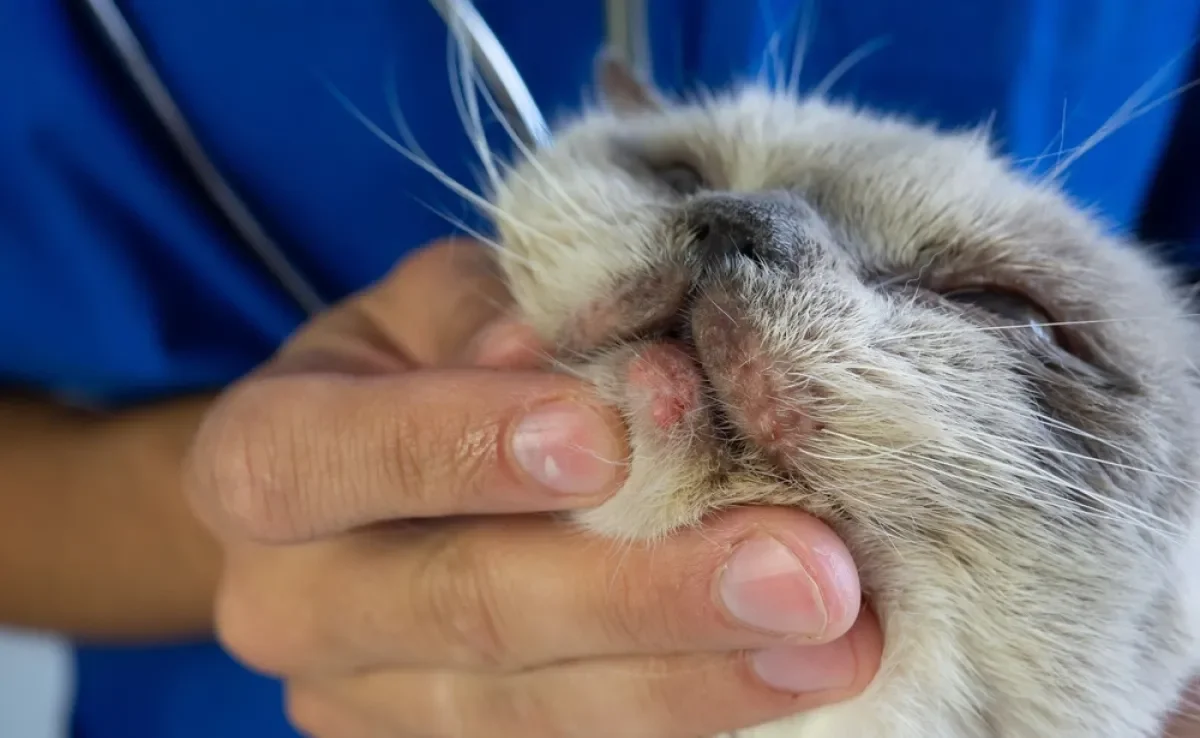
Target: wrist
x,y
98,541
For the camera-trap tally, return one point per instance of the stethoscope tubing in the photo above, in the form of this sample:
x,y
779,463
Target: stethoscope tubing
x,y
627,38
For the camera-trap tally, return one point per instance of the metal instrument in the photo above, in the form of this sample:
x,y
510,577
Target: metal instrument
x,y
124,42
497,69
627,38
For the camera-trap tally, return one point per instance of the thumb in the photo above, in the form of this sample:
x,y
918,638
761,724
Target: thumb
x,y
438,300
425,312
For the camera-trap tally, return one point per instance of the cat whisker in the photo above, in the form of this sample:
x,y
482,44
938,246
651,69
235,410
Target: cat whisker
x,y
1050,324
1080,433
1025,468
409,150
496,169
770,75
465,101
484,240
1091,459
391,84
524,149
449,182
1059,138
801,48
963,398
1022,470
1128,111
942,470
821,91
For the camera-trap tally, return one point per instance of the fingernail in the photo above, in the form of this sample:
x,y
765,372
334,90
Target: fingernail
x,y
568,448
807,668
765,586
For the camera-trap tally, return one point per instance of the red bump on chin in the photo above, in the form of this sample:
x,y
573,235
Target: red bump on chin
x,y
767,406
773,418
669,381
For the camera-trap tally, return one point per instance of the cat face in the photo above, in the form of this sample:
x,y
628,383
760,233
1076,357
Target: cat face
x,y
989,397
882,321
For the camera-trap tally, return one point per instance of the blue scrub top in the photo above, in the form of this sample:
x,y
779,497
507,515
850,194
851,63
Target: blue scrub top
x,y
120,282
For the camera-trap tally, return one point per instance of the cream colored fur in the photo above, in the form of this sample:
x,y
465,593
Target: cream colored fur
x,y
1024,518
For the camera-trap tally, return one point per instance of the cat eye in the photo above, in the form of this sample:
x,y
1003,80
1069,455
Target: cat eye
x,y
682,178
1012,307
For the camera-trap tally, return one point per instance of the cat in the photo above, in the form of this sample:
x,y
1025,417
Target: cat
x,y
984,391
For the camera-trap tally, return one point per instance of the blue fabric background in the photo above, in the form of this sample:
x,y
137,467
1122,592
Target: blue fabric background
x,y
118,282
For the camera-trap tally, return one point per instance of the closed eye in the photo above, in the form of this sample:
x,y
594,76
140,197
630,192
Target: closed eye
x,y
1013,308
682,178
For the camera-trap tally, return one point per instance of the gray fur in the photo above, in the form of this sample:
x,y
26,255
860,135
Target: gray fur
x,y
1024,517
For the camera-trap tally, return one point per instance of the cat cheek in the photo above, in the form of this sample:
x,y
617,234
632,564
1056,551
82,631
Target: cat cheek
x,y
636,306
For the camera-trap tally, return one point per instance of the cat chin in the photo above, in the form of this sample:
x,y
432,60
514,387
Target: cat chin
x,y
902,702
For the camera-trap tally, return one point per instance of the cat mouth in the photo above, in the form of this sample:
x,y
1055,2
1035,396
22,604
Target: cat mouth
x,y
678,334
678,330
675,322
698,356
701,369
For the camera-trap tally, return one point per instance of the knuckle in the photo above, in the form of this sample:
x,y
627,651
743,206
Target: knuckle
x,y
660,705
414,450
244,633
241,463
699,694
435,455
309,714
438,453
451,713
260,631
473,457
459,588
656,701
640,612
518,712
301,711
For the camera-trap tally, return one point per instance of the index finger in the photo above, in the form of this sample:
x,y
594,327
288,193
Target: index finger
x,y
290,458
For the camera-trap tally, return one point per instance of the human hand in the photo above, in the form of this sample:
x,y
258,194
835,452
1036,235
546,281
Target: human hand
x,y
381,506
1186,721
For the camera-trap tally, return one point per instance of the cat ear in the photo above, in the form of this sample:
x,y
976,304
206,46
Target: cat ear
x,y
622,89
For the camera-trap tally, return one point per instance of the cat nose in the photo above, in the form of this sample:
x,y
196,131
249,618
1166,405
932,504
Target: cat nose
x,y
719,237
733,226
